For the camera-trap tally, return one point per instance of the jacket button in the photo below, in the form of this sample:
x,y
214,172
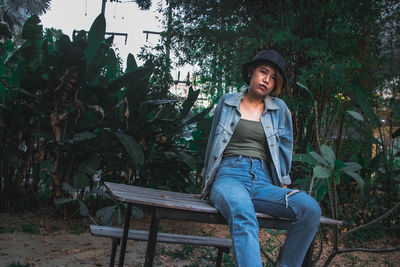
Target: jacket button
x,y
232,124
215,158
267,126
272,144
224,141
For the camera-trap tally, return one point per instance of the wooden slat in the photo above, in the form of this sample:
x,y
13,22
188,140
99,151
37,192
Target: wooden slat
x,y
174,200
111,232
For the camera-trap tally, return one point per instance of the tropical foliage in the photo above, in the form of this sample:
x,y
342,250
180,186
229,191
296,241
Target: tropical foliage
x,y
14,13
71,119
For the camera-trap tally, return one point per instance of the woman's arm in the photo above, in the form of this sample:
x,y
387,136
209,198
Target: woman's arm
x,y
217,113
286,146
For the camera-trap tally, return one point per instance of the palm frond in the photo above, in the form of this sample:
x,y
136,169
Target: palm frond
x,y
32,7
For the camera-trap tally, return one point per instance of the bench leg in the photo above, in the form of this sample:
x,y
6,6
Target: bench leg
x,y
307,262
152,240
221,251
115,243
125,235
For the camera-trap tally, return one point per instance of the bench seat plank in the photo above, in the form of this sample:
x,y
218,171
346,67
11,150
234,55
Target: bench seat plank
x,y
111,232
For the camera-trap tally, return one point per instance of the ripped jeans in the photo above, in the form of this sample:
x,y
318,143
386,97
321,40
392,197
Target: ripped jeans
x,y
242,188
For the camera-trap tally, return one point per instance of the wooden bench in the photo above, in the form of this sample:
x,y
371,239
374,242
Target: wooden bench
x,y
183,207
222,244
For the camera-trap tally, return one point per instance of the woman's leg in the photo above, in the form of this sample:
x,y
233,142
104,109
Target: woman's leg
x,y
230,195
298,206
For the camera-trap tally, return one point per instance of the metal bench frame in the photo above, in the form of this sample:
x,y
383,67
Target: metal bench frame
x,y
222,244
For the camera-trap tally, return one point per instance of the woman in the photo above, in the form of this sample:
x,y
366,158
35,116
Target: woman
x,y
247,164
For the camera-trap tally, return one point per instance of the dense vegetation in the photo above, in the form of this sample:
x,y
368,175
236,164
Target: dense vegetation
x,y
72,118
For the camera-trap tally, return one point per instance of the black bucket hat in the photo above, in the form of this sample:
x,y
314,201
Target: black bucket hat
x,y
270,57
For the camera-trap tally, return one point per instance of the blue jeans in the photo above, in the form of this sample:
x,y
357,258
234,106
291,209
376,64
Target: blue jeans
x,y
242,188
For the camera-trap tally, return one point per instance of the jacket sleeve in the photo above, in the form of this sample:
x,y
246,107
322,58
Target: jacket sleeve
x,y
217,113
286,146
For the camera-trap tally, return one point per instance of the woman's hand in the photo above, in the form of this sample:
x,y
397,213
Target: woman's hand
x,y
284,186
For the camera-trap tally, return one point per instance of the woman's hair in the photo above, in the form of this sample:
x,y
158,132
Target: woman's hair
x,y
279,78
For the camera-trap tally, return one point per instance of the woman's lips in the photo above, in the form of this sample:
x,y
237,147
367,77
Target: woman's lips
x,y
263,86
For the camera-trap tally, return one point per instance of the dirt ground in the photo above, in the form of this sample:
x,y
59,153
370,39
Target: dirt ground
x,y
43,240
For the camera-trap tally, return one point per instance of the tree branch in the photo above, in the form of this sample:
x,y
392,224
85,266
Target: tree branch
x,y
371,222
370,250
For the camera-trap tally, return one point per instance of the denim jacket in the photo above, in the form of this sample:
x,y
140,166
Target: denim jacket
x,y
277,124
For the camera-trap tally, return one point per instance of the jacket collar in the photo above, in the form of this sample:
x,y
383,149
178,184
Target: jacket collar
x,y
269,103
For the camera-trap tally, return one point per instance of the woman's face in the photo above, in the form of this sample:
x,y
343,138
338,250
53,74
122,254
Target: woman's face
x,y
263,80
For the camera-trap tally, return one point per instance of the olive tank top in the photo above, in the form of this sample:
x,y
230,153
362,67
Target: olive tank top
x,y
248,139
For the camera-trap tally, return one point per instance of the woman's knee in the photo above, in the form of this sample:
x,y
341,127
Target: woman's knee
x,y
308,208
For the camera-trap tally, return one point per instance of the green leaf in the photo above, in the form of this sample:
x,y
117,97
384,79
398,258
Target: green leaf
x,y
198,116
131,64
137,212
129,77
366,135
4,30
109,216
80,181
356,177
160,102
100,213
366,107
169,154
189,102
83,136
95,37
356,115
395,109
319,158
351,166
321,172
188,160
131,147
306,158
328,154
104,58
46,168
32,31
376,162
396,133
321,191
61,201
83,209
90,166
307,90
99,192
339,164
68,188
137,88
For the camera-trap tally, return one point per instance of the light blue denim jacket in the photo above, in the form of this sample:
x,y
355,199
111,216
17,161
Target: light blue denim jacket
x,y
277,123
